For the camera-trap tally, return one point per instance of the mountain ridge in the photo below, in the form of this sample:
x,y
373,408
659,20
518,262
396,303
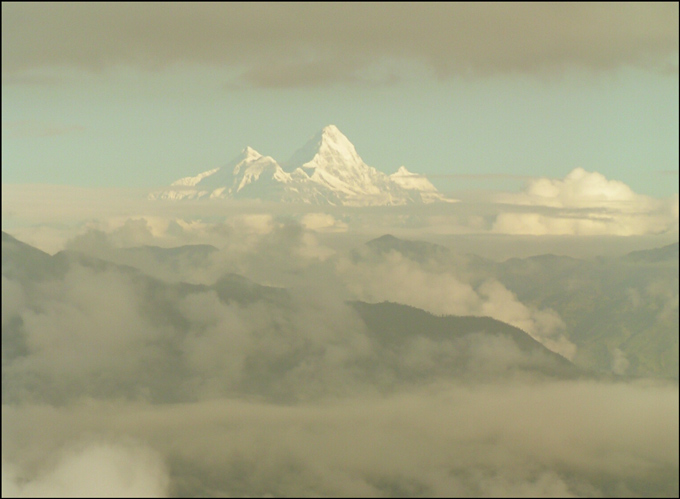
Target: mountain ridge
x,y
326,170
400,345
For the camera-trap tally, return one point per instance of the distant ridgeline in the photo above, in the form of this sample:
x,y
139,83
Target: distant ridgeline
x,y
402,345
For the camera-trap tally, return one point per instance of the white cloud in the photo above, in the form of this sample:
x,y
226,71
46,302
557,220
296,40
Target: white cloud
x,y
579,189
49,216
256,223
544,326
449,291
585,203
95,470
323,222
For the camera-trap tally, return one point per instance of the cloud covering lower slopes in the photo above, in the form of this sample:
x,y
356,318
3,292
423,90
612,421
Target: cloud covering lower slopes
x,y
585,203
117,470
118,383
284,45
576,439
445,290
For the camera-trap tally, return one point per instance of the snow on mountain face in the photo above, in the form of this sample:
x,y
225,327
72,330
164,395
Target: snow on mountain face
x,y
326,170
415,182
249,175
328,146
331,161
194,180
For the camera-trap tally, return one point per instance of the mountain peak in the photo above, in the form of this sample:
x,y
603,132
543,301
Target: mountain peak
x,y
332,137
332,133
249,153
330,129
326,170
402,171
328,145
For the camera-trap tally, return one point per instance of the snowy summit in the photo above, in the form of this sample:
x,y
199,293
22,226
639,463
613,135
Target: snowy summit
x,y
326,170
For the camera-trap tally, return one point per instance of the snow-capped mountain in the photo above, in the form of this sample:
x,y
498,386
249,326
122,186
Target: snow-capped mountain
x,y
248,175
326,170
418,183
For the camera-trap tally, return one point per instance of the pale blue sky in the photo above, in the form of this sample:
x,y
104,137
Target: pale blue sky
x,y
92,119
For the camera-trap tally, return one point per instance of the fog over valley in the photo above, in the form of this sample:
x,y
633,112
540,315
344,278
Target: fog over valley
x,y
275,363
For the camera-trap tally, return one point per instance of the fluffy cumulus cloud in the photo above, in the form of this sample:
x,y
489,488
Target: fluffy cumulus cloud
x,y
579,189
294,45
584,203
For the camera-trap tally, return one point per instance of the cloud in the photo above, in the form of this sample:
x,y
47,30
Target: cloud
x,y
13,299
95,470
449,290
48,216
145,387
324,222
544,439
584,203
82,332
106,331
291,74
269,249
663,297
620,363
579,189
270,45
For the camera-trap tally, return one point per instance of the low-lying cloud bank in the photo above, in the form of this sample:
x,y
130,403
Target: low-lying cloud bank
x,y
582,203
127,386
92,469
555,439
